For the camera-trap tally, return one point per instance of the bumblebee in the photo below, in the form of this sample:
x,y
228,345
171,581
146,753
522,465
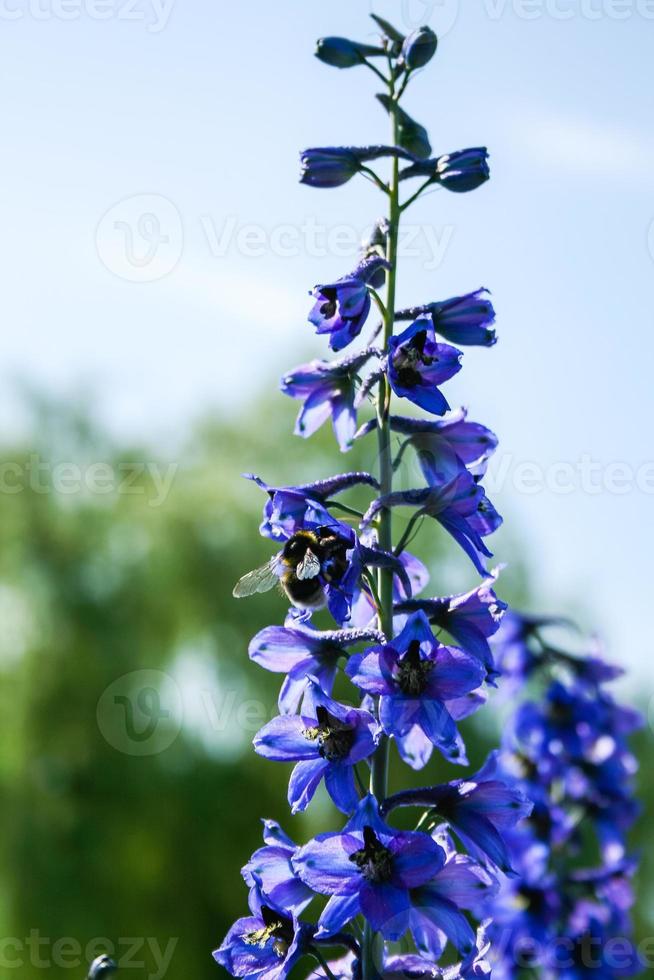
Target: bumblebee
x,y
308,562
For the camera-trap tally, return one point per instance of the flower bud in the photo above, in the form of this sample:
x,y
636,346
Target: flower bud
x,y
463,170
102,968
327,166
339,52
419,48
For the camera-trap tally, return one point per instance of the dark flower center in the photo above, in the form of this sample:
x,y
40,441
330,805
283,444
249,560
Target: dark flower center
x,y
329,307
413,673
374,861
334,737
277,928
409,358
533,900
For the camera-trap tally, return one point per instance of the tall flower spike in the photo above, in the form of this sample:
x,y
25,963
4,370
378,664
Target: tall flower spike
x,y
493,862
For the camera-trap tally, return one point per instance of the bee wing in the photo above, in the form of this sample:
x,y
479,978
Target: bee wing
x,y
260,580
309,567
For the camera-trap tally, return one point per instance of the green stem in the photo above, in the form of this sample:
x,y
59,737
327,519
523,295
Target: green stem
x,y
414,197
352,511
323,963
372,943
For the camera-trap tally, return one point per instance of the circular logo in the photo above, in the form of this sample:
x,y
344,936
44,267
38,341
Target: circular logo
x,y
140,238
141,713
440,15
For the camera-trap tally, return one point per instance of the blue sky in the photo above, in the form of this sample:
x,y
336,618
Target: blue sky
x,y
157,246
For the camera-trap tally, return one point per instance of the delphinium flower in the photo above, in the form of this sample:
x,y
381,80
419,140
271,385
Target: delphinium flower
x,y
388,666
566,749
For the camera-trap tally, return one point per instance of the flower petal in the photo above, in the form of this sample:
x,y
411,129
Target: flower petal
x,y
324,864
304,782
281,740
386,907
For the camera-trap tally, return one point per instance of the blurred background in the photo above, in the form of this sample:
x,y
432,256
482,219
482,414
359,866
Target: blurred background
x,y
157,252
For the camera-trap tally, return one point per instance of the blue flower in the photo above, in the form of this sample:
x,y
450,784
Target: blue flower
x,y
340,52
370,869
461,507
470,617
436,915
303,653
466,320
446,447
417,364
415,678
270,869
463,170
266,944
328,389
342,307
326,742
289,509
480,809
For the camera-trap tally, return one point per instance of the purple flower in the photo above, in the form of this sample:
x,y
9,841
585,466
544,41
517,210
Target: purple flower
x,y
290,509
270,869
480,809
264,945
328,389
370,869
302,652
461,507
436,915
417,364
326,742
471,618
463,170
466,320
446,447
415,678
342,307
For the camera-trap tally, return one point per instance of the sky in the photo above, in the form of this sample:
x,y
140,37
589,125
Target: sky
x,y
157,248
